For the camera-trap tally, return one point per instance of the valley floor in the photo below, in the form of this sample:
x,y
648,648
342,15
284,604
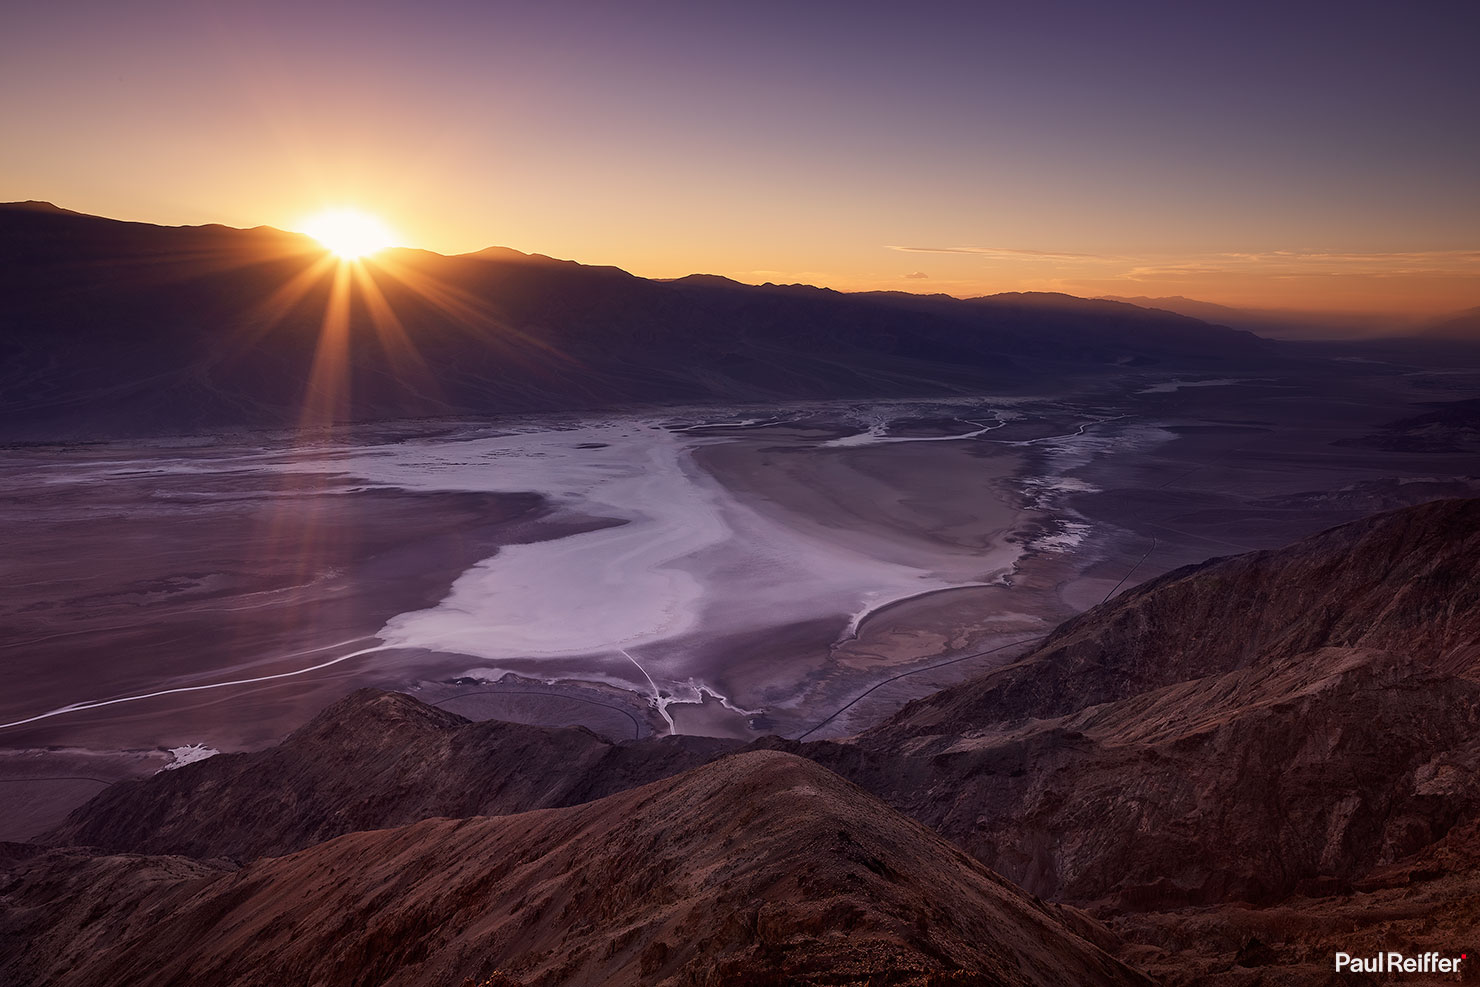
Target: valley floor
x,y
731,572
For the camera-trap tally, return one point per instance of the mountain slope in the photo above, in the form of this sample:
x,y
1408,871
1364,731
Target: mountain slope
x,y
761,868
1303,775
373,760
1279,323
1457,325
108,326
1399,581
1283,719
1278,720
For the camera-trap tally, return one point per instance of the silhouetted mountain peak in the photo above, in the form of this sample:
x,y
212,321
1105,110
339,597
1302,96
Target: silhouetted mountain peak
x,y
38,205
507,254
106,318
707,281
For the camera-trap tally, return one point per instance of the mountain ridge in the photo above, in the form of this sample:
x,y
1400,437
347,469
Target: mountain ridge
x,y
314,784
762,868
99,317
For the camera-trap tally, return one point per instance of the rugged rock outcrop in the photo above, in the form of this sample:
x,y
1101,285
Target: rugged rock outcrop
x,y
1402,581
373,760
762,868
1304,774
1233,731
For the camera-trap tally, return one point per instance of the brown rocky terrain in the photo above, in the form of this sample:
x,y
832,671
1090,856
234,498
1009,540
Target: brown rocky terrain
x,y
1402,581
762,868
1278,720
1299,776
1241,767
373,760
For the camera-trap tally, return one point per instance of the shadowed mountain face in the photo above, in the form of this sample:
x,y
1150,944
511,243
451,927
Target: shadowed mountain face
x,y
1280,720
1459,325
762,868
1279,323
1452,427
1402,582
109,327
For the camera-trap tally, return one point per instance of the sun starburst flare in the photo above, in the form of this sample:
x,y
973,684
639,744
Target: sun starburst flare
x,y
349,233
371,304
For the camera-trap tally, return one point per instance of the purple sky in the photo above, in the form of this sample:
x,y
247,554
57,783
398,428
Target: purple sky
x,y
1321,156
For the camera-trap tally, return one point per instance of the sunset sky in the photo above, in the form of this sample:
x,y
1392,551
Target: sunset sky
x,y
1307,155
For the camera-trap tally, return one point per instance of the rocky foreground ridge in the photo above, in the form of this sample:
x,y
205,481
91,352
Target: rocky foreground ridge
x,y
762,868
1238,768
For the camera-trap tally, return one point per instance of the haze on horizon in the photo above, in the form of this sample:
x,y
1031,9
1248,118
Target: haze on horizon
x,y
1317,159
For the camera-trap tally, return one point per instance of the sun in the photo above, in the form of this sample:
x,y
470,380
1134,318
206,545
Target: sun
x,y
349,233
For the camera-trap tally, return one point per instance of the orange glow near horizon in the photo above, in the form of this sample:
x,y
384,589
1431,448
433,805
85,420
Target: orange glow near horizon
x,y
349,233
1332,176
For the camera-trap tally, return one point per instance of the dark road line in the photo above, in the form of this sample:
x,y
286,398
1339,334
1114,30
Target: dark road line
x,y
1116,588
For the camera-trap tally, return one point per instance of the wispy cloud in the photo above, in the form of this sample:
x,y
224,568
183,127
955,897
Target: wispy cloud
x,y
1270,263
917,275
1007,252
1400,281
1349,257
1184,270
1290,264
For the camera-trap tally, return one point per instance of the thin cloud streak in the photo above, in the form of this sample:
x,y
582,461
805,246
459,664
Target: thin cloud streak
x,y
1384,260
1407,281
1007,252
1286,264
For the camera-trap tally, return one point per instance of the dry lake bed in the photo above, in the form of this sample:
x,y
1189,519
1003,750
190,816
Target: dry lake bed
x,y
798,569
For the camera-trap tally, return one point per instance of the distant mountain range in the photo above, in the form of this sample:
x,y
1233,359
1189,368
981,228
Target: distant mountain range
x,y
1305,324
108,326
1275,323
1239,768
1459,325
